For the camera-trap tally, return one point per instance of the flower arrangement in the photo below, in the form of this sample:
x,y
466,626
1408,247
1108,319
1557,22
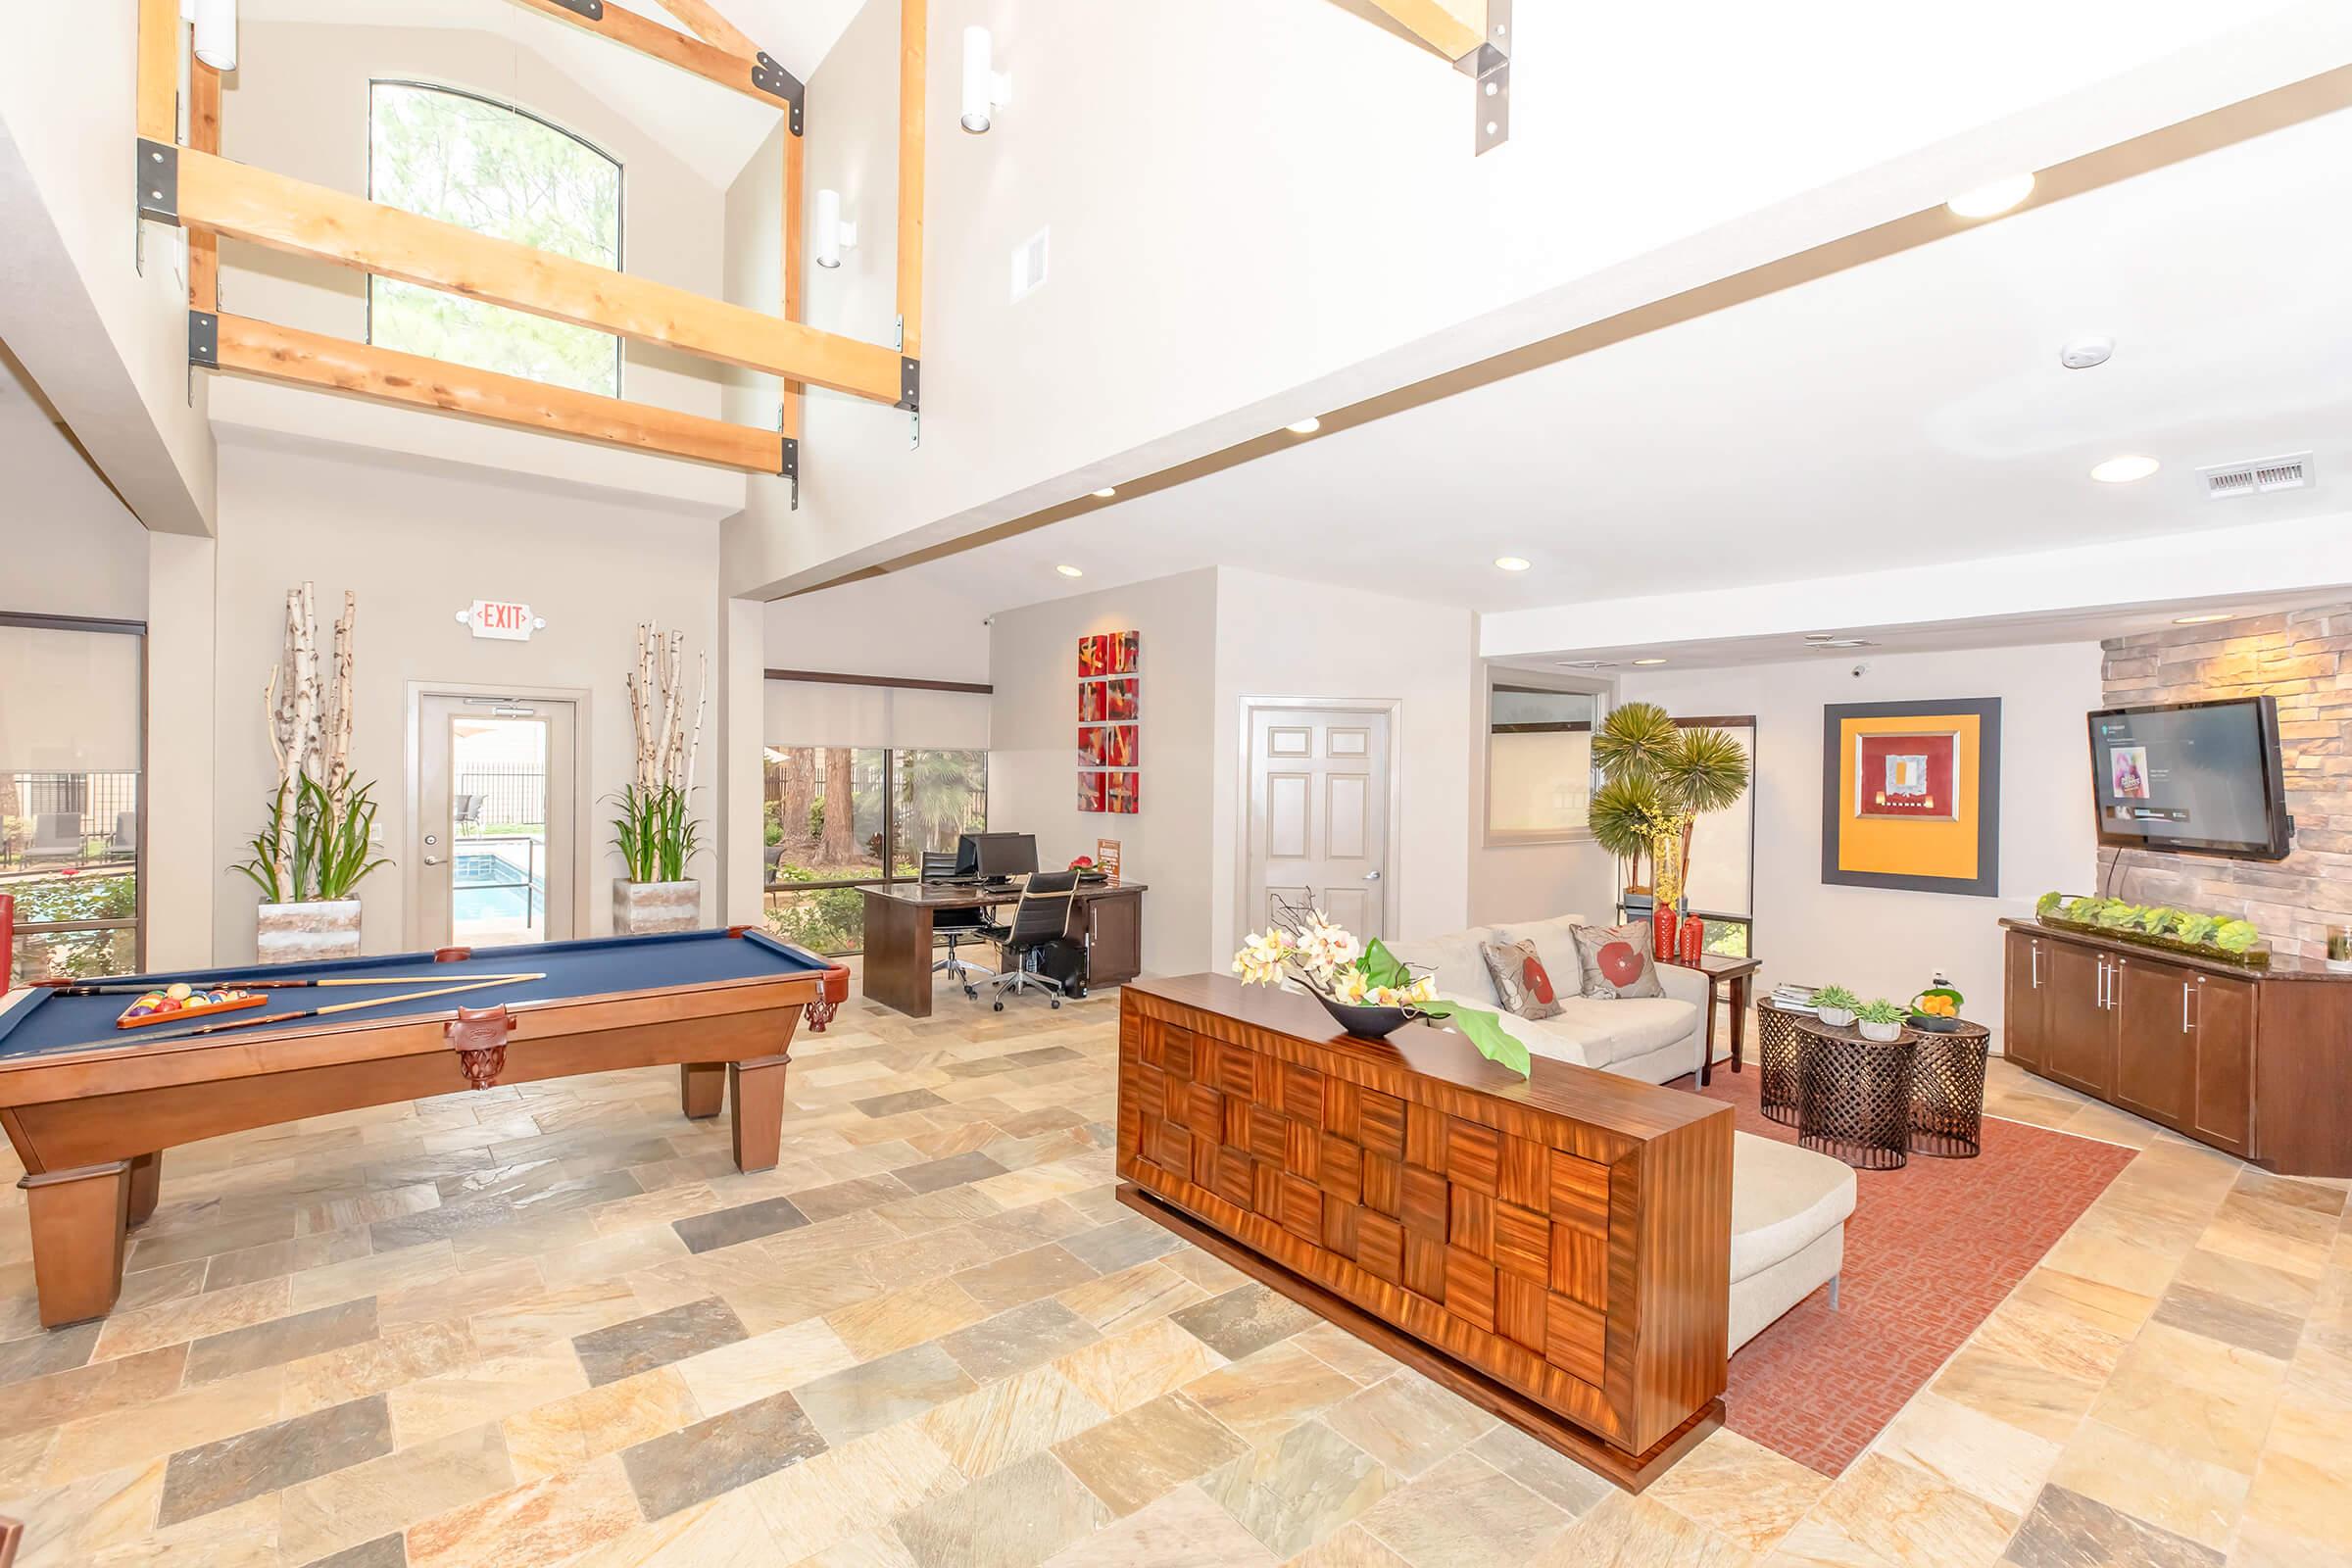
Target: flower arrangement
x,y
1327,960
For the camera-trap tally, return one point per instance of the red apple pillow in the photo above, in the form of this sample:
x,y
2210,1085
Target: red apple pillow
x,y
1615,961
1522,984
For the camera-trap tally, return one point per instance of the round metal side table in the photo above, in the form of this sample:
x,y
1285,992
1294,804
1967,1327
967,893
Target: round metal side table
x,y
1947,1090
1853,1095
1776,1060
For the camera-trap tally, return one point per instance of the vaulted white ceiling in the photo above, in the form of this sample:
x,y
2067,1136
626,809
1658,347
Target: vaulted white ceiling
x,y
1909,412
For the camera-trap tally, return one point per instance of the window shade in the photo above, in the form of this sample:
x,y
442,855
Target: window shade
x,y
802,712
68,701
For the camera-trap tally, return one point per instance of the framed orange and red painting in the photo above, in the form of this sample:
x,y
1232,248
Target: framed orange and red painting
x,y
1911,796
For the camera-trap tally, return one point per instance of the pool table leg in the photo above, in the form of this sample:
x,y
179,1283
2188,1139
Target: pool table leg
x,y
701,1085
146,1186
756,1094
77,1220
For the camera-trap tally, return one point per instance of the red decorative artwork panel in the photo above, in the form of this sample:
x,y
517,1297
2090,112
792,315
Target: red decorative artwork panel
x,y
1906,775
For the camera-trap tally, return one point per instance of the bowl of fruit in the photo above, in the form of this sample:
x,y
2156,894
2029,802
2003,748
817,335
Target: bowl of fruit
x,y
1937,1009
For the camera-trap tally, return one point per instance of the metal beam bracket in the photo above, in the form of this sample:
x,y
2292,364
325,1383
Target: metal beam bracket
x,y
593,10
910,384
777,82
791,469
204,339
1490,65
159,181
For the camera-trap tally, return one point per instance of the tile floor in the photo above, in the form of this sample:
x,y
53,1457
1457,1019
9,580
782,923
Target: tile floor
x,y
550,1324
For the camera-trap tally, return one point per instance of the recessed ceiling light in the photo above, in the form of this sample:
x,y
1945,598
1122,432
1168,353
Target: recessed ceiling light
x,y
2198,621
2124,469
1998,197
1069,572
1512,563
1306,426
1107,492
1642,661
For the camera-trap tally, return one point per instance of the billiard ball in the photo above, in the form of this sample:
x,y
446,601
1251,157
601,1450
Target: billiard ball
x,y
179,992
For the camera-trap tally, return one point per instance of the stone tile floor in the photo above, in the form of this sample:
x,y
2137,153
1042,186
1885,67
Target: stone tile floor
x,y
550,1324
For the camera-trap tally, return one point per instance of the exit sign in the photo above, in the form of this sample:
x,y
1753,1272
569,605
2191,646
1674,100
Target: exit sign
x,y
500,620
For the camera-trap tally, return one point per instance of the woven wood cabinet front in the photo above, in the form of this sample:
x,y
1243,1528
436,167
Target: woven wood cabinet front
x,y
1513,1250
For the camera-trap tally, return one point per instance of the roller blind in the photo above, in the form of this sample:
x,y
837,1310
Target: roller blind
x,y
68,701
823,713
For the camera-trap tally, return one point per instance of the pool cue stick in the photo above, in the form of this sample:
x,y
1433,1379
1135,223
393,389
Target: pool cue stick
x,y
69,988
334,1007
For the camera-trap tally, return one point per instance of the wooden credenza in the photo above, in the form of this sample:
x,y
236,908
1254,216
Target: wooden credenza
x,y
2257,1062
1555,1248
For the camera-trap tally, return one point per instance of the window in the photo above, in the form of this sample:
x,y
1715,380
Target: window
x,y
496,171
1723,853
841,817
70,759
1539,759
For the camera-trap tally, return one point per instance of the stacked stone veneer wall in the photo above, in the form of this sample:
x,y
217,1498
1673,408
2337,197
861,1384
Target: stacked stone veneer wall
x,y
2304,659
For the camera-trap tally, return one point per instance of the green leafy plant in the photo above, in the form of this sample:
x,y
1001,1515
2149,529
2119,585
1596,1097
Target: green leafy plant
x,y
1880,1010
1657,777
2116,915
2235,936
1324,958
2197,930
1837,999
1482,1029
2048,902
330,844
655,834
2157,919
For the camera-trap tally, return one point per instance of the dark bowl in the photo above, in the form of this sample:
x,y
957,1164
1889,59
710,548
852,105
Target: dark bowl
x,y
1935,1023
1371,1023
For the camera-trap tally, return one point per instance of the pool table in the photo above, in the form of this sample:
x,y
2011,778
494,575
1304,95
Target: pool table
x,y
90,1107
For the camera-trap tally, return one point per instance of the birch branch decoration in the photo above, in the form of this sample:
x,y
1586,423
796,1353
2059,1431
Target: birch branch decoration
x,y
656,832
309,724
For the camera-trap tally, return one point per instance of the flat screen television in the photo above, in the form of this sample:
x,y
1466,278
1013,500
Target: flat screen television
x,y
2200,777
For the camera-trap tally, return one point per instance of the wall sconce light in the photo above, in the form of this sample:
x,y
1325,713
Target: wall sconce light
x,y
215,24
985,88
833,237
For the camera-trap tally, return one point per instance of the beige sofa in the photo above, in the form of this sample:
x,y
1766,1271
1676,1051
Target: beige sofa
x,y
1654,1039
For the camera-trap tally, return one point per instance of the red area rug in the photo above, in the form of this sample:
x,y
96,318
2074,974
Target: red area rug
x,y
1931,1251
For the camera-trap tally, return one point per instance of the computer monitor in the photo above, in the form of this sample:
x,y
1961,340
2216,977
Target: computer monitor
x,y
967,855
1005,856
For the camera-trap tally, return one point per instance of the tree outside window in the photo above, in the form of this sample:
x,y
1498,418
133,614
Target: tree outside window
x,y
496,171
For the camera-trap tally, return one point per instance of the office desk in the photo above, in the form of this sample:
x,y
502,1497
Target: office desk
x,y
1106,919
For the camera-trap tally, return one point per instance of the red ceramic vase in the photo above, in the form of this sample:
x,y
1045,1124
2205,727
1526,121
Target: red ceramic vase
x,y
1694,939
1661,930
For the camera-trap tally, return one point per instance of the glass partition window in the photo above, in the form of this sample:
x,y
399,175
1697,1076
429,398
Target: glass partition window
x,y
500,171
1539,762
70,808
841,817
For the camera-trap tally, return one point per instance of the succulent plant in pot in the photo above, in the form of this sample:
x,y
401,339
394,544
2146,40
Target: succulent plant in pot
x,y
1881,1020
1835,1005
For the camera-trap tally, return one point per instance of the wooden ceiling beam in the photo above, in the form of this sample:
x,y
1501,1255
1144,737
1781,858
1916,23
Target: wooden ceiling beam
x,y
282,354
704,19
727,67
289,214
1452,27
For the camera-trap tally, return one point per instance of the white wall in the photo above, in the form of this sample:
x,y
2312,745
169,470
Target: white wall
x,y
68,547
907,626
1280,638
1033,749
419,545
1881,941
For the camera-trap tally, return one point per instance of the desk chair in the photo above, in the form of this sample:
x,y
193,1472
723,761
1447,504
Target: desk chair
x,y
955,924
1042,916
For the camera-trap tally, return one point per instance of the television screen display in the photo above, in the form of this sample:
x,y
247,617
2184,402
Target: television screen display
x,y
2202,777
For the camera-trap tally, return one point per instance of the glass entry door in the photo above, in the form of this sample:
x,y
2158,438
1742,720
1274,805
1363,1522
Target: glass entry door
x,y
496,808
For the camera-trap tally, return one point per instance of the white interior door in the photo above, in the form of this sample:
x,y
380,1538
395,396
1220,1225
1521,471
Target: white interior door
x,y
496,833
1319,813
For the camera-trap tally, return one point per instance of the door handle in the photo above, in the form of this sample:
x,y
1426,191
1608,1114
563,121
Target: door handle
x,y
432,859
2033,962
1371,877
2186,1026
2103,974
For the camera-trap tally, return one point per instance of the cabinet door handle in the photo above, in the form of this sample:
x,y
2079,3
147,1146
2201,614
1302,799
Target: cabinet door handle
x,y
2033,962
2106,984
2185,1025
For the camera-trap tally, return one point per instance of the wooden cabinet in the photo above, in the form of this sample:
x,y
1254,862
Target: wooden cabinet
x,y
2079,1039
2257,1062
2026,1004
2222,1015
2156,1045
1112,925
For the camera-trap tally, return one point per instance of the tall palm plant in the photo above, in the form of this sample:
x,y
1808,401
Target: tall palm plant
x,y
1658,777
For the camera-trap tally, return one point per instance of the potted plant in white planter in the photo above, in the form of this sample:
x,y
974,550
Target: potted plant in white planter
x,y
1881,1020
312,851
655,832
1835,1006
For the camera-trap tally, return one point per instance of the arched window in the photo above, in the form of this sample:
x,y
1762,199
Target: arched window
x,y
496,171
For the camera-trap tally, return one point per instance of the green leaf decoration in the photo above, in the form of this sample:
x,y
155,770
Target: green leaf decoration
x,y
2048,903
1485,1031
1382,967
2235,936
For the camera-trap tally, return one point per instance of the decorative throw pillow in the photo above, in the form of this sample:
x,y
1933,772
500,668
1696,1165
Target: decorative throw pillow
x,y
1521,983
1615,961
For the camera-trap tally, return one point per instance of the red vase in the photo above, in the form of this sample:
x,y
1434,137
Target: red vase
x,y
1661,930
1694,940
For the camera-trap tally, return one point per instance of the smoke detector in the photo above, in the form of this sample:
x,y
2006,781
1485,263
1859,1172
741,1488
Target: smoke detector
x,y
2225,481
2083,353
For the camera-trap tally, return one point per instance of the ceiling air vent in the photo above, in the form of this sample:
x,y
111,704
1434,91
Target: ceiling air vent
x,y
1587,663
2226,480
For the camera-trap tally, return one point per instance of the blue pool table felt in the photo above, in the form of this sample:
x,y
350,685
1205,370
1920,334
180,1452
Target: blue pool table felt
x,y
46,1021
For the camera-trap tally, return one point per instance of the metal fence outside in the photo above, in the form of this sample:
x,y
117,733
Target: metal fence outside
x,y
504,794
80,813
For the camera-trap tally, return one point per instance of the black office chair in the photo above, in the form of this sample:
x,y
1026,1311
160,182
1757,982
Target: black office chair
x,y
1041,918
953,924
